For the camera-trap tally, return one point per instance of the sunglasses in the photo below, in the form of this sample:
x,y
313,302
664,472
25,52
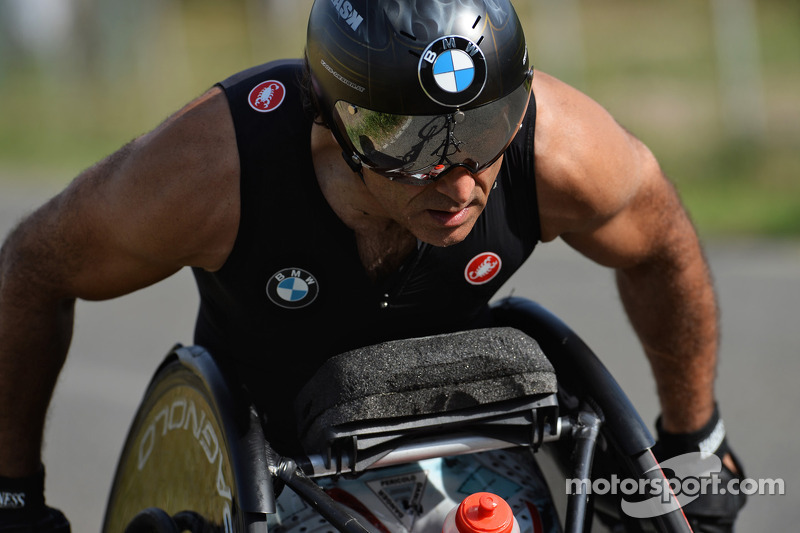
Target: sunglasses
x,y
419,149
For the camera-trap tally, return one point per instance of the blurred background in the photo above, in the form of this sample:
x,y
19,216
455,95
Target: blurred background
x,y
712,86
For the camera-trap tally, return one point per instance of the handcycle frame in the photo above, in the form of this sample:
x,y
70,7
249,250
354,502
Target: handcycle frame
x,y
593,409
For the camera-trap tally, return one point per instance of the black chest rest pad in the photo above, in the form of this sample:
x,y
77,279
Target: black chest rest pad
x,y
422,376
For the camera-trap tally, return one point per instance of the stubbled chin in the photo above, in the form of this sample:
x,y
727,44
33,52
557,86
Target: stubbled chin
x,y
444,237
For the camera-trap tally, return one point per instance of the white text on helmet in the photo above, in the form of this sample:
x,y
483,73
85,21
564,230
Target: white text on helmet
x,y
346,11
449,43
471,48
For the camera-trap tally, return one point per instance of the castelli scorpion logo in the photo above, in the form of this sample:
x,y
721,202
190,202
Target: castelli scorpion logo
x,y
483,268
267,96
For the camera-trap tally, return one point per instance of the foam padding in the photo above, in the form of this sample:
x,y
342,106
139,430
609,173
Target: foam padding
x,y
423,376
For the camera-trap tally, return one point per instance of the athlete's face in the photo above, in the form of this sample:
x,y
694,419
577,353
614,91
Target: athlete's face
x,y
441,213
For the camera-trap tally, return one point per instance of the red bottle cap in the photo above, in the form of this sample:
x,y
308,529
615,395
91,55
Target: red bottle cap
x,y
484,512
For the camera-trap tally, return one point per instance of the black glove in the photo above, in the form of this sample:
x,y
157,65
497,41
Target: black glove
x,y
712,511
22,507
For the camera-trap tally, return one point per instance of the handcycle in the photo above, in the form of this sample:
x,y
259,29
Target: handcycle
x,y
387,426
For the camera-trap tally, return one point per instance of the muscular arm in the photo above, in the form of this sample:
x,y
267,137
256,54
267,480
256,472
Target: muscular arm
x,y
166,200
605,195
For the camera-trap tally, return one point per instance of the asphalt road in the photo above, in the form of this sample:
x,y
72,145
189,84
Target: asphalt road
x,y
117,345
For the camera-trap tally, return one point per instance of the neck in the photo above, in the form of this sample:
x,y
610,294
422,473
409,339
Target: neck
x,y
383,244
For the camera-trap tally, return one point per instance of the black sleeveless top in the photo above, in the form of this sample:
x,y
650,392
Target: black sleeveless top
x,y
293,292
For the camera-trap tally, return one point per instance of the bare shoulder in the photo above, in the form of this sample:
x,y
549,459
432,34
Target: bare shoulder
x,y
166,200
185,176
600,188
587,165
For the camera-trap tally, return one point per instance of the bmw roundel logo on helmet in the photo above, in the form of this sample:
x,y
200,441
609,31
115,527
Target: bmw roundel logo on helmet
x,y
452,71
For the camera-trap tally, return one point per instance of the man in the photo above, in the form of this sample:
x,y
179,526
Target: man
x,y
457,160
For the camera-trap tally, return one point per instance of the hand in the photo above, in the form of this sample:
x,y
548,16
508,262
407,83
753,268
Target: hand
x,y
716,513
23,510
711,511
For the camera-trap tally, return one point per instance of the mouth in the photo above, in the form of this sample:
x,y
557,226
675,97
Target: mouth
x,y
449,219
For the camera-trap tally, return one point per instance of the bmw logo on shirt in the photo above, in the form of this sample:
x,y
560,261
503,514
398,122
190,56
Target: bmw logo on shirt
x,y
452,71
292,288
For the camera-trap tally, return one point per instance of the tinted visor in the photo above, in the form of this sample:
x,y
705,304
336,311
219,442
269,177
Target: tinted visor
x,y
420,148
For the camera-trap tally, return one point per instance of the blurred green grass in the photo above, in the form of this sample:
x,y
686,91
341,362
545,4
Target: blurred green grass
x,y
658,77
651,64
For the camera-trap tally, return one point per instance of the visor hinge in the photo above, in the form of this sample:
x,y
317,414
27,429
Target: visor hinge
x,y
354,162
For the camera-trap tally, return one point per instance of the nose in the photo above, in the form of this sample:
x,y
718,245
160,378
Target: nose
x,y
458,185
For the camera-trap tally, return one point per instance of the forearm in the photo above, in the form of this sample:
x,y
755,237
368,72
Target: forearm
x,y
35,332
671,304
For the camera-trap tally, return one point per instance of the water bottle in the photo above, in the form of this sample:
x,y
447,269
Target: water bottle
x,y
482,512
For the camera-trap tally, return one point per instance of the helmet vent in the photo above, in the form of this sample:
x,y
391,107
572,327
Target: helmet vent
x,y
477,20
404,34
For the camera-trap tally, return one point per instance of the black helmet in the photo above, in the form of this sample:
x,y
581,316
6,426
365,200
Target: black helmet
x,y
412,88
